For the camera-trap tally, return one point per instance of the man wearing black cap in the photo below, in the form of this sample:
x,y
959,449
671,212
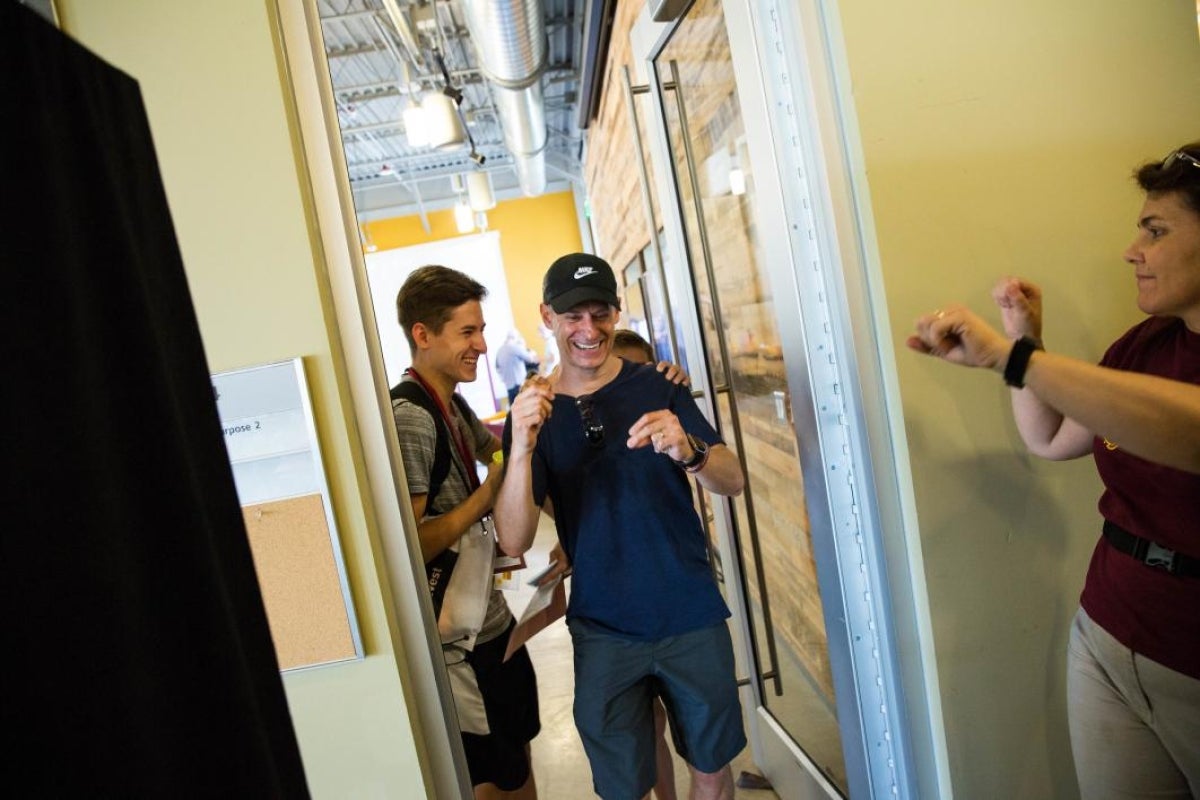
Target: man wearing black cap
x,y
606,448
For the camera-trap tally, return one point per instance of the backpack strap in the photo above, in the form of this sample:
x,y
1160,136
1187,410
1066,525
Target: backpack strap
x,y
415,394
463,409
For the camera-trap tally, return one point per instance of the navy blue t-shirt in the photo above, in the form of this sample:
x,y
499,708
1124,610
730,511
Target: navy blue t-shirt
x,y
626,517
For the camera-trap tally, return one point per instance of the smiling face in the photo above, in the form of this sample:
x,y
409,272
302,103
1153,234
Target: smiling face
x,y
584,334
451,355
1166,259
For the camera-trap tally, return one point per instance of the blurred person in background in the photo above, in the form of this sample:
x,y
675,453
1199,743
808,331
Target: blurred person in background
x,y
515,362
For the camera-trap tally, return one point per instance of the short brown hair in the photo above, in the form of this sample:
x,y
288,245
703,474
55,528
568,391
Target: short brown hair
x,y
1182,177
429,296
626,338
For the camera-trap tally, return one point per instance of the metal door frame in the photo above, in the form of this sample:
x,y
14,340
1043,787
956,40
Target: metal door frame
x,y
886,687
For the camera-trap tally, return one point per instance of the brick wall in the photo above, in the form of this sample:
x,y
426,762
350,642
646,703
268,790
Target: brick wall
x,y
614,191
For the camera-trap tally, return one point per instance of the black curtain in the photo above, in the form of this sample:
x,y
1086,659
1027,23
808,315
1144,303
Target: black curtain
x,y
138,661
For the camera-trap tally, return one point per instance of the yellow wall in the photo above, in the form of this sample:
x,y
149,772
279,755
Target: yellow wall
x,y
215,97
999,137
533,232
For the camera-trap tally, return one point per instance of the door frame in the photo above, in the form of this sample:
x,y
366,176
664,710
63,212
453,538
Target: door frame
x,y
411,624
801,123
820,91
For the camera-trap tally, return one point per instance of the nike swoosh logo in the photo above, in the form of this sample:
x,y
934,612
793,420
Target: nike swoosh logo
x,y
583,272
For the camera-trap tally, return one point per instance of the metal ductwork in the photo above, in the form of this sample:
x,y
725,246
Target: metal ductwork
x,y
510,40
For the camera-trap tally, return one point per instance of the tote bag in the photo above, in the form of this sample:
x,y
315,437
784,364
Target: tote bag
x,y
460,583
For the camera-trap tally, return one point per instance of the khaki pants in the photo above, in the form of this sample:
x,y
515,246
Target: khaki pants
x,y
1135,724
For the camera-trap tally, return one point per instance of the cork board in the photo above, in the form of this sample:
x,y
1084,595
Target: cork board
x,y
271,437
299,579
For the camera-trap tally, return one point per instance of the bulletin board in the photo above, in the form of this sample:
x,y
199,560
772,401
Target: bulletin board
x,y
270,435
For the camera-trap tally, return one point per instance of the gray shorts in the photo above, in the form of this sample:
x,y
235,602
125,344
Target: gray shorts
x,y
616,681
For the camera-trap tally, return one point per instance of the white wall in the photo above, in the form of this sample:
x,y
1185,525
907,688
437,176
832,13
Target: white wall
x,y
478,256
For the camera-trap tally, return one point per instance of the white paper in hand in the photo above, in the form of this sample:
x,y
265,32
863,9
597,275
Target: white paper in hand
x,y
548,604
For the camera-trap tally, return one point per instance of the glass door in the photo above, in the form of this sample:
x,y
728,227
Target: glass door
x,y
737,311
772,306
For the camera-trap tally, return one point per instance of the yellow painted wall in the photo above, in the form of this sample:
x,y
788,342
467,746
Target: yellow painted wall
x,y
216,100
533,232
999,137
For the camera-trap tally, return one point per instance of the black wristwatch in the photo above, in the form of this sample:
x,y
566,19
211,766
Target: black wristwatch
x,y
1018,361
699,455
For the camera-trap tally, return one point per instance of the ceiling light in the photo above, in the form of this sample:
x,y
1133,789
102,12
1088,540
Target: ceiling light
x,y
415,129
479,190
463,218
441,118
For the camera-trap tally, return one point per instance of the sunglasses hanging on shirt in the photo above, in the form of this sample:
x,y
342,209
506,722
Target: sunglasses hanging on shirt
x,y
593,428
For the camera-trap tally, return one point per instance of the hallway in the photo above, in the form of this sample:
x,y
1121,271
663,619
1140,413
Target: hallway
x,y
559,761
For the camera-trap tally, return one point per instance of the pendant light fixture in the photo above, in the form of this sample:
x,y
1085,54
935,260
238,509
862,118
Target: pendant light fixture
x,y
416,131
464,219
479,191
446,131
441,118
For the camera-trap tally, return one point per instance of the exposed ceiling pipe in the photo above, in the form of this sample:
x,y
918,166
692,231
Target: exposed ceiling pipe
x,y
404,30
387,41
510,40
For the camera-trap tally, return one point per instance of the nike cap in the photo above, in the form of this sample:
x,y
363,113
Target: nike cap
x,y
579,278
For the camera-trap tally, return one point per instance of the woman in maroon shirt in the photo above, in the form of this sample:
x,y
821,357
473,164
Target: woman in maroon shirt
x,y
1133,665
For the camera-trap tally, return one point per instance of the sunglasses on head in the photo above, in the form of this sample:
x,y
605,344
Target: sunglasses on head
x,y
593,428
1175,157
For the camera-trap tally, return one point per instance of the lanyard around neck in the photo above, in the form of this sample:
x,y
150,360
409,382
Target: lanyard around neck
x,y
464,452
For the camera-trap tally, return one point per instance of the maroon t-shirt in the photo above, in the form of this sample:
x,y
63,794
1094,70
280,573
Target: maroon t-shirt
x,y
1145,608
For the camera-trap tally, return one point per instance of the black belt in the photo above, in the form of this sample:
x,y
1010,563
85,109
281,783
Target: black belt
x,y
1151,554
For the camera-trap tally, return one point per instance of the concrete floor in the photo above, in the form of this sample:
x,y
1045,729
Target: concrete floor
x,y
559,763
